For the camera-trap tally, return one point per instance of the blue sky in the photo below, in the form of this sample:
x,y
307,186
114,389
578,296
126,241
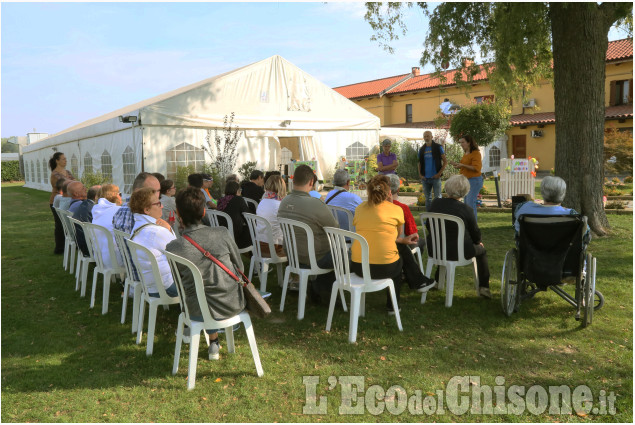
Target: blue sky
x,y
64,63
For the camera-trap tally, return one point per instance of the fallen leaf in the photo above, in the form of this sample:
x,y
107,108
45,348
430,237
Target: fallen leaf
x,y
218,380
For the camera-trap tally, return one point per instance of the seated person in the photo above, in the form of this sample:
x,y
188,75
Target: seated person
x,y
341,197
313,192
84,214
168,190
203,183
381,222
60,188
456,188
410,227
153,233
275,191
553,190
234,205
103,213
224,296
254,188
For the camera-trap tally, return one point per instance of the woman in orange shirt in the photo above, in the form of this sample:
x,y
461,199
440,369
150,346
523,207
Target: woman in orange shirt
x,y
470,166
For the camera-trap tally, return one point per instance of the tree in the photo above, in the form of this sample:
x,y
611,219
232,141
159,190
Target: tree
x,y
519,43
224,149
9,147
485,121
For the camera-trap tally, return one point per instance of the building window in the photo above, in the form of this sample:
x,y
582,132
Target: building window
x,y
88,163
37,167
44,172
621,92
106,166
74,166
494,157
184,155
129,169
487,99
409,112
356,151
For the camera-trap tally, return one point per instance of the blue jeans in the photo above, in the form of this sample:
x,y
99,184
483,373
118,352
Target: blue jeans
x,y
171,291
428,185
476,183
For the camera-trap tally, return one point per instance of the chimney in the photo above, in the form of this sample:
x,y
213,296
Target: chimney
x,y
415,71
467,62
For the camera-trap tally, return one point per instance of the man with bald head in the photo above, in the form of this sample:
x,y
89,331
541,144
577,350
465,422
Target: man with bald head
x,y
77,193
124,219
432,162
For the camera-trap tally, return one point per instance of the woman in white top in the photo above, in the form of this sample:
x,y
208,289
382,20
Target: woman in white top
x,y
103,212
153,235
275,190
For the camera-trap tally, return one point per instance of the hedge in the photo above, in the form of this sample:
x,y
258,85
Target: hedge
x,y
11,171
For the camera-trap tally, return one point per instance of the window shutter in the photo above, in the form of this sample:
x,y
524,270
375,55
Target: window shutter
x,y
612,93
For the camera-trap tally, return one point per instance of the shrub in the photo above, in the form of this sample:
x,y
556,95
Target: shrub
x,y
628,179
92,179
618,151
614,205
453,153
11,171
181,176
246,169
485,121
421,200
616,180
611,191
484,191
409,161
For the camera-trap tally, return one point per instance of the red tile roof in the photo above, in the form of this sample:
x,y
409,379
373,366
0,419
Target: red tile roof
x,y
428,81
621,111
529,119
368,88
620,49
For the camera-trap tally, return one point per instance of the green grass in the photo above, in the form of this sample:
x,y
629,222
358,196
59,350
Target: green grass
x,y
62,362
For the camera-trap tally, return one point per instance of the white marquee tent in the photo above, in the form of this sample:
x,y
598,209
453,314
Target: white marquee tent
x,y
281,111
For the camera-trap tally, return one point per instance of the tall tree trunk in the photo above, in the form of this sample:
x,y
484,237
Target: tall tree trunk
x,y
580,41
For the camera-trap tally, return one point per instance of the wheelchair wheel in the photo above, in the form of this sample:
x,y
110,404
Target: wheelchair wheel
x,y
509,282
588,292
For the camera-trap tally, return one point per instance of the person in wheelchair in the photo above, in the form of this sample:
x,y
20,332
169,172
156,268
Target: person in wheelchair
x,y
553,190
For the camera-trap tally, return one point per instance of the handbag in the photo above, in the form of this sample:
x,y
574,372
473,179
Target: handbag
x,y
256,304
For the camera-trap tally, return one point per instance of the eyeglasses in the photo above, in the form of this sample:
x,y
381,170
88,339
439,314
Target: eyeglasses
x,y
156,203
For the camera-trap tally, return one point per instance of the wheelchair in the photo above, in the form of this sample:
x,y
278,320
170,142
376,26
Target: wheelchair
x,y
551,250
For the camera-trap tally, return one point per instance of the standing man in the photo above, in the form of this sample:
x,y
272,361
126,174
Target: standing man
x,y
387,162
432,162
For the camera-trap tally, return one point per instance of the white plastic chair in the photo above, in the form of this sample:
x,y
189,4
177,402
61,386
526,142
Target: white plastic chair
x,y
356,285
338,213
439,254
130,281
70,245
214,215
289,230
97,233
263,262
83,263
153,302
208,322
252,202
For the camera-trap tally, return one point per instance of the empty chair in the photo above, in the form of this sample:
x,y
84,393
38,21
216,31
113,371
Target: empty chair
x,y
70,245
442,252
258,258
83,262
107,266
289,228
156,282
208,321
356,285
132,280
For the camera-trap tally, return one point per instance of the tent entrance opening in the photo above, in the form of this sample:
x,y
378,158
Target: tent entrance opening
x,y
289,149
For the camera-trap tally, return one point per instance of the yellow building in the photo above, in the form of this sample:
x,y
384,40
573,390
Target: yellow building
x,y
413,101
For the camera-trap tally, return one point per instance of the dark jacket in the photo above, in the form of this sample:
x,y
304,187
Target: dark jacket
x,y
436,155
252,191
235,208
84,213
464,212
224,296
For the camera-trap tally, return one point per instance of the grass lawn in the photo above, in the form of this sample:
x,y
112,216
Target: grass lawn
x,y
62,362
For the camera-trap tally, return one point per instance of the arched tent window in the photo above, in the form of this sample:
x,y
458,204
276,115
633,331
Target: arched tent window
x,y
285,156
37,168
26,170
106,165
494,156
356,151
129,169
88,163
32,172
184,155
45,176
74,166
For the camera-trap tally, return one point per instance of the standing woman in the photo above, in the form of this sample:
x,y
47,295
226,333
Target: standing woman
x,y
470,166
57,164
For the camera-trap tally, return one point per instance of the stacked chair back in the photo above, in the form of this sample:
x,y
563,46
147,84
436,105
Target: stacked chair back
x,y
69,240
180,265
263,262
105,259
290,230
356,285
137,252
132,280
441,252
251,203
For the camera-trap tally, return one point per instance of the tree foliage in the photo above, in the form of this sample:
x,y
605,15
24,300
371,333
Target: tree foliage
x,y
485,121
11,171
223,149
9,147
618,151
93,179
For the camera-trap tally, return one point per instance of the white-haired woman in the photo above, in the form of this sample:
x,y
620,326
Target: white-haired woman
x,y
456,188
